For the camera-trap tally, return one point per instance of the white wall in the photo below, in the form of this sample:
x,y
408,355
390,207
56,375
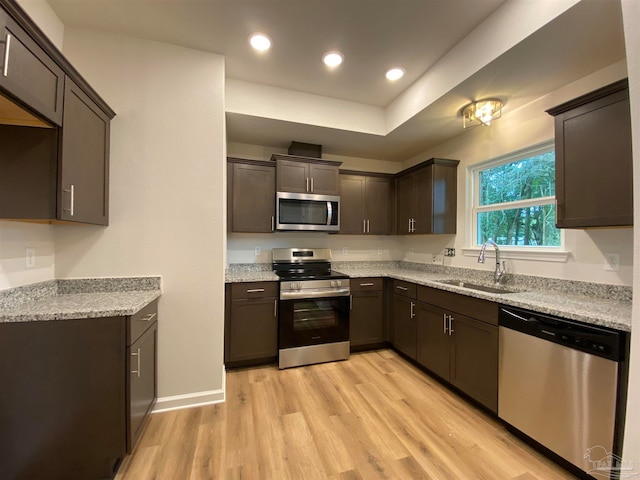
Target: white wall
x,y
16,237
167,198
631,17
527,126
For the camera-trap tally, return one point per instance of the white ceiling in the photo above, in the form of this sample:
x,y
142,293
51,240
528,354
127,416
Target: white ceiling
x,y
373,35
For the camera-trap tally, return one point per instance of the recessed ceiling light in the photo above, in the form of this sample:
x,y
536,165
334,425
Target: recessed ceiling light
x,y
395,74
260,42
332,59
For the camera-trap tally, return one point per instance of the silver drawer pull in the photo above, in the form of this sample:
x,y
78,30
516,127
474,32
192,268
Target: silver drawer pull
x,y
148,318
71,191
366,284
136,371
404,289
5,69
255,290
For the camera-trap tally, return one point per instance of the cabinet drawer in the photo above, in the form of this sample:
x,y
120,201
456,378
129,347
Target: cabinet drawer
x,y
254,290
407,289
366,284
484,310
138,323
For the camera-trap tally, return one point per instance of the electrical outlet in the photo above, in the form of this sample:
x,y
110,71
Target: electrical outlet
x,y
257,250
345,250
612,262
30,257
438,260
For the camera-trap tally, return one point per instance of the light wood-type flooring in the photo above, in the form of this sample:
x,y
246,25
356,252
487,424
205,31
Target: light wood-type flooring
x,y
374,416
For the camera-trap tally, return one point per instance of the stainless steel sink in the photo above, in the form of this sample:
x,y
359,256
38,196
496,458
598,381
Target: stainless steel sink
x,y
475,286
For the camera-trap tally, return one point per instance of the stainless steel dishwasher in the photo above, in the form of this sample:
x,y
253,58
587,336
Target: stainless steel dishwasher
x,y
562,383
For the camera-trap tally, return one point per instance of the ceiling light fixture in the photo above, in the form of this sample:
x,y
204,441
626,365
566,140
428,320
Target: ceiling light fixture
x,y
332,59
260,42
394,74
481,112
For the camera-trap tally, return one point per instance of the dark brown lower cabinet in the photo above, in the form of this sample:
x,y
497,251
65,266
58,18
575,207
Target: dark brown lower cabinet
x,y
461,350
62,400
367,326
404,324
251,323
142,392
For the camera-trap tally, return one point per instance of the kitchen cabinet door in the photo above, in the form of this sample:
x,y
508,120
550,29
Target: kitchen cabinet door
x,y
324,179
83,195
474,359
28,74
593,159
404,204
367,318
292,176
422,200
378,205
352,218
404,325
142,382
434,341
253,198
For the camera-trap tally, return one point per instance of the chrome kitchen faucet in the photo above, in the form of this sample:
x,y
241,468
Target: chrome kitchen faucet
x,y
500,270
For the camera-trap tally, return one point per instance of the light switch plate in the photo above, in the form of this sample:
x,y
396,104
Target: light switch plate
x,y
30,257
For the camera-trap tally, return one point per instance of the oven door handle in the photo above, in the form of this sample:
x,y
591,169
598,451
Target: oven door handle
x,y
340,292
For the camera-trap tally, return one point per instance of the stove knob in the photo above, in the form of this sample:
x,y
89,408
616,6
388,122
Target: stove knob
x,y
299,286
333,283
339,283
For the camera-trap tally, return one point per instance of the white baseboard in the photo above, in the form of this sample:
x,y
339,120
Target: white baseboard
x,y
197,399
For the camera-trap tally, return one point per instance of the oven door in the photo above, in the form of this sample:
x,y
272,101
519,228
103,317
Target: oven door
x,y
313,321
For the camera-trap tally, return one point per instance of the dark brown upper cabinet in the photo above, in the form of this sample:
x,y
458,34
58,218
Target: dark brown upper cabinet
x,y
83,194
427,198
306,175
251,191
593,159
366,203
29,75
55,170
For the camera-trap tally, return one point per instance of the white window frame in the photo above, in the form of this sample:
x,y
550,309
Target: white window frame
x,y
523,252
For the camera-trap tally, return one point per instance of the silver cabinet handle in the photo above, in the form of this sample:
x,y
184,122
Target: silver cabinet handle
x,y
366,284
72,192
255,290
412,312
5,69
368,226
307,187
402,288
136,371
444,322
450,324
275,308
311,184
410,225
273,223
148,318
350,302
364,226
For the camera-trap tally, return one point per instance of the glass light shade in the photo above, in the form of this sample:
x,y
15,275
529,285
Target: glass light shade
x,y
395,74
260,42
481,112
332,59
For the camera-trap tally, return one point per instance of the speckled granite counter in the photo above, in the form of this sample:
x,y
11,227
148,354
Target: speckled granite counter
x,y
78,298
596,304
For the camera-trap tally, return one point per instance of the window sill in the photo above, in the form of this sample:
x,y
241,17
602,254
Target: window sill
x,y
560,256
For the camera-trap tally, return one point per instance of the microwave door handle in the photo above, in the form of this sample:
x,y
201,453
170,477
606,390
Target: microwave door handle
x,y
329,213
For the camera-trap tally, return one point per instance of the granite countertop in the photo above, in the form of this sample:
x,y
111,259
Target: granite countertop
x,y
596,304
78,298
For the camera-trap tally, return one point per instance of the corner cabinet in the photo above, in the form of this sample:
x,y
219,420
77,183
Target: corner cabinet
x,y
251,323
427,198
306,175
54,131
366,203
594,181
83,193
251,196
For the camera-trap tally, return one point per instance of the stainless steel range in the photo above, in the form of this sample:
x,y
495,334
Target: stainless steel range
x,y
313,320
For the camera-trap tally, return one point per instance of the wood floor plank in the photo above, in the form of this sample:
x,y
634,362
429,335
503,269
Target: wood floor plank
x,y
374,416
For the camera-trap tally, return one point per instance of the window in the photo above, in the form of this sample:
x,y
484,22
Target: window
x,y
514,199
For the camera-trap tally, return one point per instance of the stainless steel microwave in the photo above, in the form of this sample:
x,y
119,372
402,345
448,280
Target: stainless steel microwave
x,y
307,211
